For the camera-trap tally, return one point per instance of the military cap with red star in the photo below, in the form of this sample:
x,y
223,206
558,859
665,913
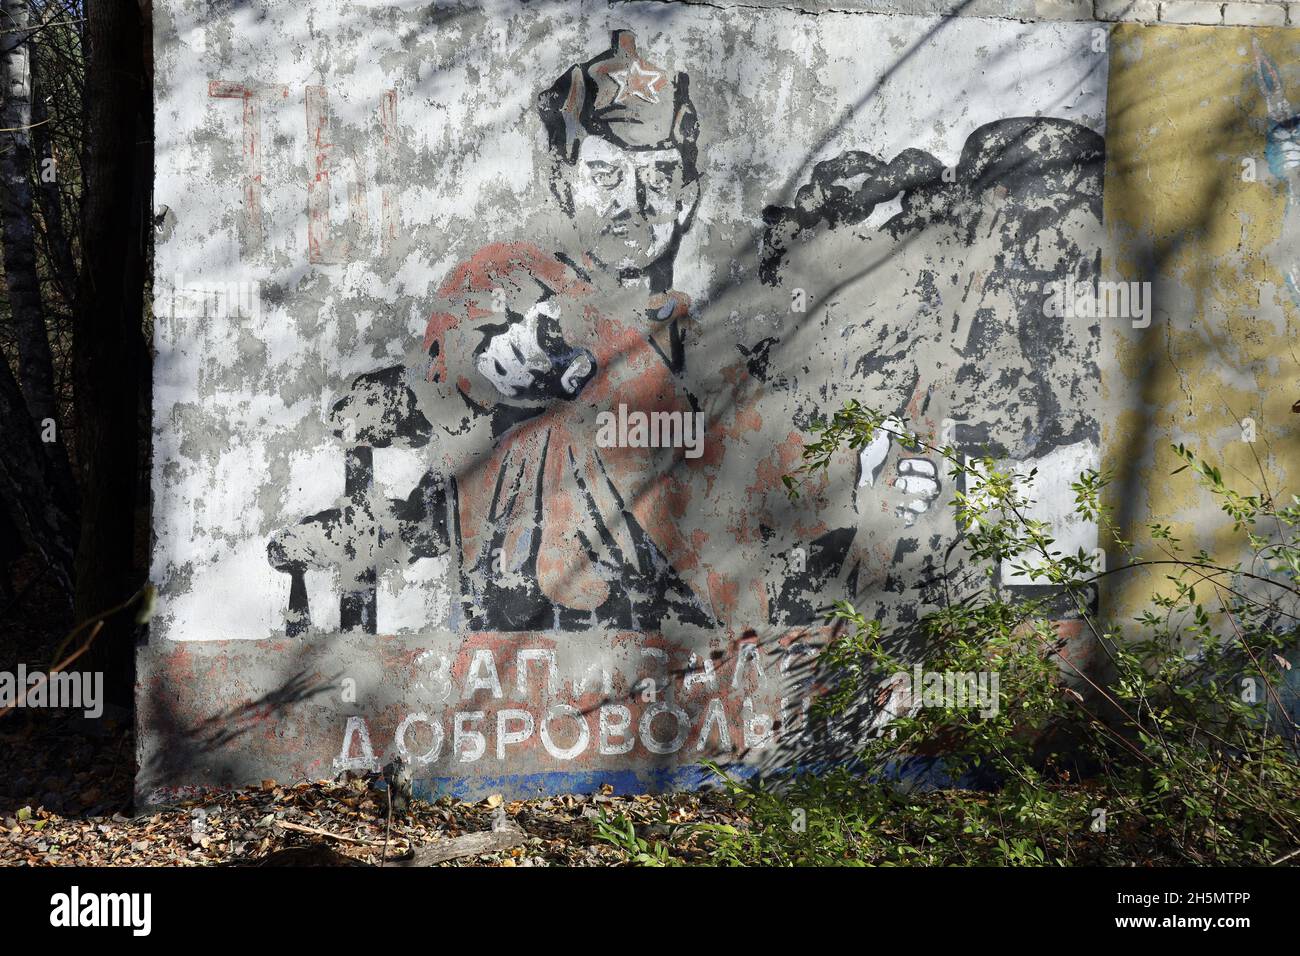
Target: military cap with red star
x,y
621,97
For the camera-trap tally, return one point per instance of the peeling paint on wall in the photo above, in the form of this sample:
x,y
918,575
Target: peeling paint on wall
x,y
486,334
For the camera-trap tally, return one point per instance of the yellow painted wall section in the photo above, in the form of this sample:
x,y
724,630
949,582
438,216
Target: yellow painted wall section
x,y
1192,208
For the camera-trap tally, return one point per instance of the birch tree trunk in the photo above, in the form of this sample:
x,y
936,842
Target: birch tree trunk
x,y
35,365
37,495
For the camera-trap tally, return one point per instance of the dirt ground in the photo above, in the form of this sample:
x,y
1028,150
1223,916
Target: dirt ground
x,y
65,800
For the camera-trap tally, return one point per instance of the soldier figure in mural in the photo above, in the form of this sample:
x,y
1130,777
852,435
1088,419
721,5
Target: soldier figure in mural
x,y
970,347
546,394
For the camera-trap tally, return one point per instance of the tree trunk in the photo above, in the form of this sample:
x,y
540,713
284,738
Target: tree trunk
x,y
18,236
117,169
31,512
57,242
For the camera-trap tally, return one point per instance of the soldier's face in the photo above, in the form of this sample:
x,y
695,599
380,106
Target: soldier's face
x,y
628,204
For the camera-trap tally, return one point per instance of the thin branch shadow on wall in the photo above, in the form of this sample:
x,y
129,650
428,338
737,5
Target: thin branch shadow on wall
x,y
212,751
1019,211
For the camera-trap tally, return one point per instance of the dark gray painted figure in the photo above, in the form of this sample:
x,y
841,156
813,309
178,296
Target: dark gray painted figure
x,y
965,347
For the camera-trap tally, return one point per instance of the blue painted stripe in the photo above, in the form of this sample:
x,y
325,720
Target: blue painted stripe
x,y
920,773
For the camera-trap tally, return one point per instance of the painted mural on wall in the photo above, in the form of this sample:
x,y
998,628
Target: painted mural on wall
x,y
557,433
579,516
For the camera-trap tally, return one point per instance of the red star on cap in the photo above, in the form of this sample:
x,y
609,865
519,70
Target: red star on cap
x,y
638,81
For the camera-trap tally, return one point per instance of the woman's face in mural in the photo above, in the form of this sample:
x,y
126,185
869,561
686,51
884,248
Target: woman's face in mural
x,y
628,204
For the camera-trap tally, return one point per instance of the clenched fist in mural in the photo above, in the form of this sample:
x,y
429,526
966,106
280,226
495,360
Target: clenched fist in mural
x,y
916,478
519,364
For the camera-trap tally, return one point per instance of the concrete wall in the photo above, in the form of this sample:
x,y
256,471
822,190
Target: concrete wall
x,y
1201,202
422,266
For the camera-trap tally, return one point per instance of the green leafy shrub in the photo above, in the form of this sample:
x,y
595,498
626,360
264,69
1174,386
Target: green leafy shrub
x,y
1185,751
